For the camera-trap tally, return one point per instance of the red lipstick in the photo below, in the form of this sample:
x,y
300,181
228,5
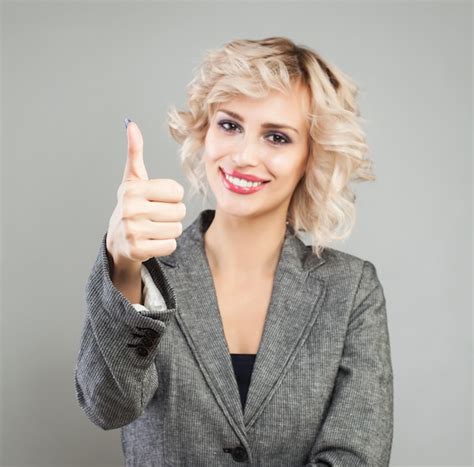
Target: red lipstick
x,y
250,178
238,189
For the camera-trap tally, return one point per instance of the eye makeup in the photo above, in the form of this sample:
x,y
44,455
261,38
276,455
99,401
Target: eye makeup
x,y
283,139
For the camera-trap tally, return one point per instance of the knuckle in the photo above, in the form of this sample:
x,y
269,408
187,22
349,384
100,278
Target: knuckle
x,y
124,186
180,190
130,188
176,188
172,245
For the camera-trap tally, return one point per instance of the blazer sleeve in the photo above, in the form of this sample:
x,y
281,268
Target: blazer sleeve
x,y
358,426
115,374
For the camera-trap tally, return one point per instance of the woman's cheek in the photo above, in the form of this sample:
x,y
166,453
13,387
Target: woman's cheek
x,y
217,147
279,165
212,149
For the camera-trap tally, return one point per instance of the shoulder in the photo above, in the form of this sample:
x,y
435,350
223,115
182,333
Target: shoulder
x,y
334,258
348,279
343,268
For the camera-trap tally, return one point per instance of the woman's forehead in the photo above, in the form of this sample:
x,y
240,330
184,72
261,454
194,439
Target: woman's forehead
x,y
289,105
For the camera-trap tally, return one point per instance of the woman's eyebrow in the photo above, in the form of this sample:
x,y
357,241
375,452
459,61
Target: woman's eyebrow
x,y
264,125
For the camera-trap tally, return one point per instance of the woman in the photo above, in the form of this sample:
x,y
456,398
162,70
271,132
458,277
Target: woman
x,y
251,347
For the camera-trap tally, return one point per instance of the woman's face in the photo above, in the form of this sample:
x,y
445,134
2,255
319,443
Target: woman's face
x,y
252,137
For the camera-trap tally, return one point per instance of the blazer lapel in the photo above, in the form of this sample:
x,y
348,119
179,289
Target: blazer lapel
x,y
295,302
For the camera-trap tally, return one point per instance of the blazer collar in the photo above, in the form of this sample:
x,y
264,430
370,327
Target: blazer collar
x,y
296,299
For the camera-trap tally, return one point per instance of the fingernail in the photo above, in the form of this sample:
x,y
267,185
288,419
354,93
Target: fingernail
x,y
127,121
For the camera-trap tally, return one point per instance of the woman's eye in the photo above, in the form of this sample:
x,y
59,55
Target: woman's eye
x,y
221,124
281,140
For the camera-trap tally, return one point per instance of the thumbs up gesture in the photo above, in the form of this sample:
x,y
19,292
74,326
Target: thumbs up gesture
x,y
147,218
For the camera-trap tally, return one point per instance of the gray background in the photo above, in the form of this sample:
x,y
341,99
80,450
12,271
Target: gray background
x,y
72,71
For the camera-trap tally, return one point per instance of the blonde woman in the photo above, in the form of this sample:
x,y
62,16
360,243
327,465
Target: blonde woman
x,y
232,341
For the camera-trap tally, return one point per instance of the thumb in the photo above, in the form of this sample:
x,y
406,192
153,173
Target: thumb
x,y
135,166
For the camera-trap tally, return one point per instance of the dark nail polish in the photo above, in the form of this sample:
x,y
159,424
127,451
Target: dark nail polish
x,y
127,121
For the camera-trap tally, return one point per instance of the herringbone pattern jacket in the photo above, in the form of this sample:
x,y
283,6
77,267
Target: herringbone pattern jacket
x,y
321,391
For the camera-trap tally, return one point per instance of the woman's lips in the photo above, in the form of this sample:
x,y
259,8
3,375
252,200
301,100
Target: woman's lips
x,y
238,189
242,176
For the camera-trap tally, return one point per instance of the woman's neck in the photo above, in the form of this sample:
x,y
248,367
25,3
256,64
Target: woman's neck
x,y
236,245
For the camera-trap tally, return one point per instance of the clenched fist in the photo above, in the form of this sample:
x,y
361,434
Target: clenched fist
x,y
147,218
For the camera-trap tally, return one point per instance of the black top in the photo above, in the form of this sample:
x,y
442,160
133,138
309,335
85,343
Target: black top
x,y
243,366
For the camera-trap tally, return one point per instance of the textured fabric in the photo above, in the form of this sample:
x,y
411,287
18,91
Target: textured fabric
x,y
242,363
321,391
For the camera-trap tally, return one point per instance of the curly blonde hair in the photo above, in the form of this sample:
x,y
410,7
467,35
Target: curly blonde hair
x,y
323,202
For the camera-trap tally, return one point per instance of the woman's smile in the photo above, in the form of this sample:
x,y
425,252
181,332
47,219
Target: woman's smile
x,y
240,186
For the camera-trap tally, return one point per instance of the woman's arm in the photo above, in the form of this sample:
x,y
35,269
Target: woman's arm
x,y
115,374
358,426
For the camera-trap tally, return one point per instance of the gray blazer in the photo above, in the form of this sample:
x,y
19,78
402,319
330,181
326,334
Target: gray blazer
x,y
321,391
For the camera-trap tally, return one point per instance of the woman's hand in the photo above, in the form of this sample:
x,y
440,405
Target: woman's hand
x,y
147,218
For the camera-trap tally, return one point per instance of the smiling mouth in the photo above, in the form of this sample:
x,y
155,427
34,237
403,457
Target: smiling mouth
x,y
261,182
237,187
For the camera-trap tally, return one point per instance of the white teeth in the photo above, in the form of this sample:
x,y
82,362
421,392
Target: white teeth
x,y
241,183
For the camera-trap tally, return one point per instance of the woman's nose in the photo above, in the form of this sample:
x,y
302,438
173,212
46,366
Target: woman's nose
x,y
248,153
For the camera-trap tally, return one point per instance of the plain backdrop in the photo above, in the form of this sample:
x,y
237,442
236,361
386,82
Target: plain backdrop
x,y
72,71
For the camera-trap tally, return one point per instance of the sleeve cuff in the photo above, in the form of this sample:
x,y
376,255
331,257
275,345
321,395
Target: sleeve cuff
x,y
153,300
